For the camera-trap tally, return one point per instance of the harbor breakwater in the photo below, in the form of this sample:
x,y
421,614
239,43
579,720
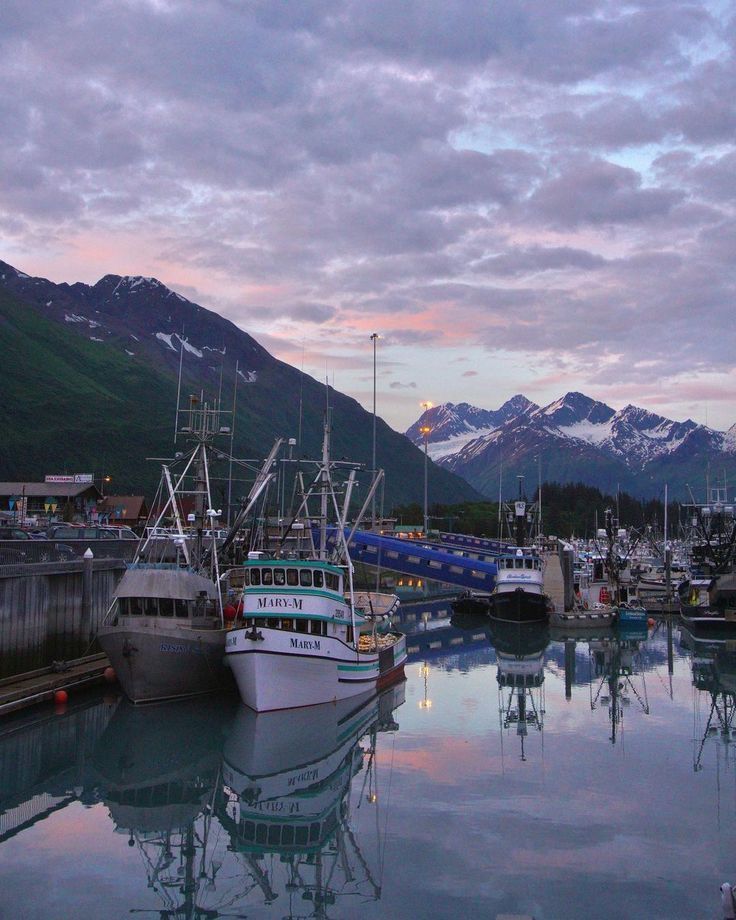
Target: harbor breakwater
x,y
51,611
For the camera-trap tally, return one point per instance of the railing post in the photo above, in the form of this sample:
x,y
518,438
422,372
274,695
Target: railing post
x,y
85,626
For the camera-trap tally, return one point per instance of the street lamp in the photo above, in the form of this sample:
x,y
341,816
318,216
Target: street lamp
x,y
374,339
425,431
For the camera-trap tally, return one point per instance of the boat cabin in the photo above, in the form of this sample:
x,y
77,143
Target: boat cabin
x,y
519,561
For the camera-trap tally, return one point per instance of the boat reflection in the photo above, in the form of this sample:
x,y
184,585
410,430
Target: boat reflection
x,y
714,675
520,649
617,667
157,769
287,780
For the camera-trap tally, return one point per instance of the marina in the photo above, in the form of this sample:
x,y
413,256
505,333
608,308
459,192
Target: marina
x,y
536,776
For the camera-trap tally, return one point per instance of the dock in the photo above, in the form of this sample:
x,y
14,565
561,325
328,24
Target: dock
x,y
554,583
23,690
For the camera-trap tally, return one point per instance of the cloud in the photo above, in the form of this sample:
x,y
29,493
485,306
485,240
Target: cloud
x,y
395,385
551,184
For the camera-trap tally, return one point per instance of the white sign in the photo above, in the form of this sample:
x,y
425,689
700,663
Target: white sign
x,y
78,478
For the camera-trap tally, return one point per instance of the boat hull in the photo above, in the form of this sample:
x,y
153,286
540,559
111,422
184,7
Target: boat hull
x,y
518,606
275,669
162,664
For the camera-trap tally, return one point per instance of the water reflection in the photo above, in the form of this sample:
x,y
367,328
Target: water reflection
x,y
714,679
286,799
619,677
157,769
520,649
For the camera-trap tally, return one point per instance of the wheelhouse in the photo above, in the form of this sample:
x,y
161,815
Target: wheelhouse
x,y
519,561
293,573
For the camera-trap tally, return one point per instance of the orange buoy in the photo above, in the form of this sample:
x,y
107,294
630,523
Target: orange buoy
x,y
61,696
110,675
229,612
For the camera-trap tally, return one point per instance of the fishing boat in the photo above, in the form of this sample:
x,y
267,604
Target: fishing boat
x,y
164,632
518,593
306,635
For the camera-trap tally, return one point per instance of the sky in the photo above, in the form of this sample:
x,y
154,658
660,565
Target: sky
x,y
517,197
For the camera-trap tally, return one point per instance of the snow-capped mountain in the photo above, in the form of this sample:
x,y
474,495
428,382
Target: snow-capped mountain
x,y
452,425
576,438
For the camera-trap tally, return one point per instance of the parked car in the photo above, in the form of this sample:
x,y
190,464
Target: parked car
x,y
13,533
74,532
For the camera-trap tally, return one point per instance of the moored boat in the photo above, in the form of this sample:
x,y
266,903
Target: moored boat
x,y
306,636
518,595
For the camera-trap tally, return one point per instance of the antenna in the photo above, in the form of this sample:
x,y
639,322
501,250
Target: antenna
x,y
178,385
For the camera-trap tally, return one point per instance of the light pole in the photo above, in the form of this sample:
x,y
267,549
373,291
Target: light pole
x,y
425,431
374,338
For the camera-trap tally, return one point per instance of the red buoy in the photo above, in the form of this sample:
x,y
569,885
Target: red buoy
x,y
229,612
110,675
61,696
650,621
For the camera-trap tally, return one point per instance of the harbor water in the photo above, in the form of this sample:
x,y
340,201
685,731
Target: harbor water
x,y
521,773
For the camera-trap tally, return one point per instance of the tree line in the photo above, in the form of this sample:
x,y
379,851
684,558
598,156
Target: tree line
x,y
568,510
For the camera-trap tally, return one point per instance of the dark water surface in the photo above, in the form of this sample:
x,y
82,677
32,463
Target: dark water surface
x,y
510,774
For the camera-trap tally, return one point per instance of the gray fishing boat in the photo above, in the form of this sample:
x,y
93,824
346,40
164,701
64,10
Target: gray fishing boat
x,y
165,630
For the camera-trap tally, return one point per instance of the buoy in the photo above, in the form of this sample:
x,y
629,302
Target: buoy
x,y
110,675
229,612
61,696
650,621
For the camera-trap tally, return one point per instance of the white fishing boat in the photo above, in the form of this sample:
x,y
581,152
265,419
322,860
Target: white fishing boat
x,y
518,595
306,636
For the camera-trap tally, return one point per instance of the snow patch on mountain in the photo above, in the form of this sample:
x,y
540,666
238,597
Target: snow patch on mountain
x,y
248,376
729,439
590,432
167,339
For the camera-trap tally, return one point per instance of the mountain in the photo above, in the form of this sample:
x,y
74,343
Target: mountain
x,y
453,425
89,382
578,439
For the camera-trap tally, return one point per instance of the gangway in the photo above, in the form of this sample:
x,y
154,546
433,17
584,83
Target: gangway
x,y
481,545
419,559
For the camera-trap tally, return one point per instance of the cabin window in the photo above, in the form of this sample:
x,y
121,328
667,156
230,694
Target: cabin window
x,y
273,622
166,607
302,626
349,634
267,576
314,832
249,830
136,607
255,576
318,580
151,608
287,835
292,577
279,577
248,621
519,564
318,627
274,833
287,624
260,833
301,836
181,608
333,582
305,578
246,577
529,564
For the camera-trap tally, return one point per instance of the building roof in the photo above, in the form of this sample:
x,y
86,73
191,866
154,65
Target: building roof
x,y
43,489
124,506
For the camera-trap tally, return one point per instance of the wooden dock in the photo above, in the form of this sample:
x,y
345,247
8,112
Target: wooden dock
x,y
23,690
